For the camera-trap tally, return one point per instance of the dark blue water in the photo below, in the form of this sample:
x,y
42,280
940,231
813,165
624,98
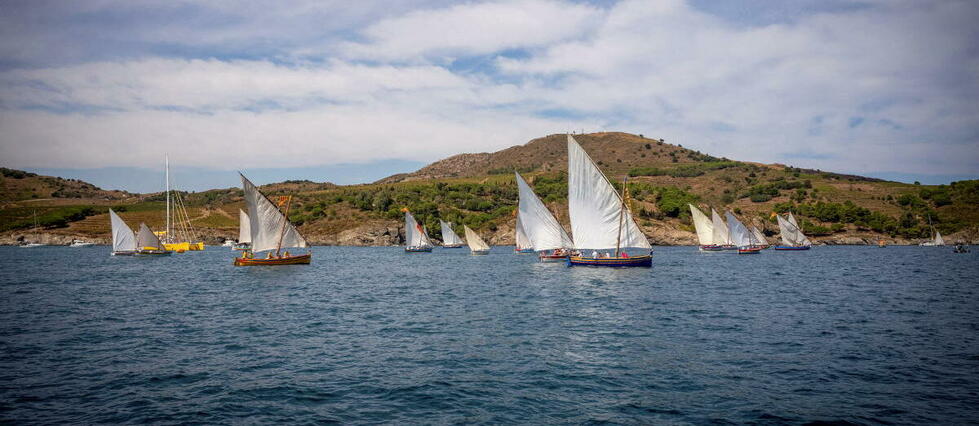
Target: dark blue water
x,y
371,335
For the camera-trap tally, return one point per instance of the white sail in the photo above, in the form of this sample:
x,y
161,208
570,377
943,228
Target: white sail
x,y
415,235
791,234
791,220
759,236
540,226
146,239
427,241
801,239
598,220
939,241
740,236
270,230
522,242
475,243
720,233
123,238
244,227
704,226
449,237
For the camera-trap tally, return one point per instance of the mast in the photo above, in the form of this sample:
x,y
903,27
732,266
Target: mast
x,y
166,236
285,220
618,238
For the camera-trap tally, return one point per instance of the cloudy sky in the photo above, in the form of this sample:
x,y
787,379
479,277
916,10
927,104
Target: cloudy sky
x,y
353,91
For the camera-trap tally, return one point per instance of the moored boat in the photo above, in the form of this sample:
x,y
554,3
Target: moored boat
x,y
179,232
269,229
80,243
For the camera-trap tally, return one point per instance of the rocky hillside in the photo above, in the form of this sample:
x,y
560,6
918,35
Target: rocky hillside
x,y
478,190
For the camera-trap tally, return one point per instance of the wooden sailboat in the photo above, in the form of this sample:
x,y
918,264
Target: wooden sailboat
x,y
722,235
760,238
416,238
148,244
744,239
705,230
792,236
449,238
270,231
37,239
546,235
523,244
244,232
600,219
476,245
123,238
178,233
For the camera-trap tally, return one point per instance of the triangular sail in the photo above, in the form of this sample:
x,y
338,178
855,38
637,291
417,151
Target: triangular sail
x,y
270,230
540,226
598,219
244,227
146,239
415,235
801,239
759,235
449,237
720,233
939,241
786,231
522,241
123,238
704,226
740,236
475,243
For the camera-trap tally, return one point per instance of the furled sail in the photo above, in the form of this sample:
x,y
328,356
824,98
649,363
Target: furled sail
x,y
598,219
720,232
415,235
740,236
475,243
705,228
123,238
540,226
522,241
270,230
244,227
759,236
449,237
146,239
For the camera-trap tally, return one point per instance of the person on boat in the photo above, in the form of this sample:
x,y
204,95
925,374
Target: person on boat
x,y
594,254
624,255
286,254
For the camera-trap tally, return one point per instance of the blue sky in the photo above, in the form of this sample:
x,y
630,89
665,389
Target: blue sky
x,y
353,91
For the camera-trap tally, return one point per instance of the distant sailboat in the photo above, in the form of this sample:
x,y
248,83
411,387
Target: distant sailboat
x,y
721,234
123,238
546,235
936,239
792,236
178,233
523,244
449,238
148,244
600,219
476,245
244,232
270,230
744,239
760,237
37,240
705,229
415,236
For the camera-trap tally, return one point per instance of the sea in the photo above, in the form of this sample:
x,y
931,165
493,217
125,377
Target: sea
x,y
369,335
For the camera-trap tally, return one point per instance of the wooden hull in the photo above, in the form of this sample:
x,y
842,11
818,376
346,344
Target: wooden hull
x,y
302,259
750,250
613,262
553,258
792,248
711,248
453,246
418,249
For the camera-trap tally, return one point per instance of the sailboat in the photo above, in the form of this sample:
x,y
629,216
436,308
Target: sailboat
x,y
792,236
744,239
546,235
936,239
123,238
705,229
179,232
476,245
37,240
600,219
148,244
269,230
449,238
523,244
415,236
760,237
720,237
244,232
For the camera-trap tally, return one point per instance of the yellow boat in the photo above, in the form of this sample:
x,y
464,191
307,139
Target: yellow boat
x,y
179,233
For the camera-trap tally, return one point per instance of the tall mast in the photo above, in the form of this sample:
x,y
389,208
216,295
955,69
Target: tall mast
x,y
166,237
285,220
618,239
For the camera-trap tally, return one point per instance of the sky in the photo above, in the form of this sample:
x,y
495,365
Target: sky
x,y
350,92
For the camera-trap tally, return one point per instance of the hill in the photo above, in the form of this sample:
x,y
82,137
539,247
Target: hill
x,y
479,190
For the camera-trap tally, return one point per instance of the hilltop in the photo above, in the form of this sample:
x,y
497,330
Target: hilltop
x,y
479,190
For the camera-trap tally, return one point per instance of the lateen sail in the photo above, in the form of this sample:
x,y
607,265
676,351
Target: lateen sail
x,y
123,238
540,226
522,241
801,238
449,237
705,229
146,239
720,233
740,236
939,241
598,220
414,233
267,224
244,227
759,235
475,243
